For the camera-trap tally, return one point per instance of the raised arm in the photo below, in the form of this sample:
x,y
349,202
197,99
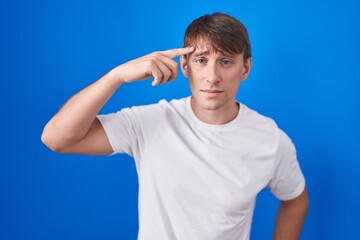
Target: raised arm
x,y
290,217
75,128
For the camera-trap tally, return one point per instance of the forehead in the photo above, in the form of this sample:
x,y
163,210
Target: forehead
x,y
204,46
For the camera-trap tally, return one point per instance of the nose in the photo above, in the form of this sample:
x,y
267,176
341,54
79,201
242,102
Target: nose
x,y
213,74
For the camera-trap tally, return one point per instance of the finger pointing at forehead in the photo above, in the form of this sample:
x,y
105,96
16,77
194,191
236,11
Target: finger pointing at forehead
x,y
177,52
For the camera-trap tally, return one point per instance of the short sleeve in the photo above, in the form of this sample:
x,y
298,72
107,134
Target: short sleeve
x,y
288,181
120,130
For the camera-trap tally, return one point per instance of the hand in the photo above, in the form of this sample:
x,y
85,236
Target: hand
x,y
159,65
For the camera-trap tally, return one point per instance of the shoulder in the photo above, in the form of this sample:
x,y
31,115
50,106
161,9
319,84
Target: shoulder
x,y
160,105
254,120
155,111
178,104
268,129
258,130
268,125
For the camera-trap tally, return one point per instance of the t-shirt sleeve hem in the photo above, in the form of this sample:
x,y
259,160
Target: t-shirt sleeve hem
x,y
110,133
294,194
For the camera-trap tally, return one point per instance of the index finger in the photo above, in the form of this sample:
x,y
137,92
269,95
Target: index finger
x,y
177,52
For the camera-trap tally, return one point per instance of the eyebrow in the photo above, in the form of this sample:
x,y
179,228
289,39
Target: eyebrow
x,y
207,52
201,53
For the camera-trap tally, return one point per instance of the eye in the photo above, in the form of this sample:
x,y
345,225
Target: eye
x,y
226,62
200,60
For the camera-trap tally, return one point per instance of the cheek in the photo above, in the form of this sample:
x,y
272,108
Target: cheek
x,y
194,75
235,87
192,83
191,70
232,85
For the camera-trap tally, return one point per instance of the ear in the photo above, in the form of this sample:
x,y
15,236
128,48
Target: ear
x,y
184,66
246,68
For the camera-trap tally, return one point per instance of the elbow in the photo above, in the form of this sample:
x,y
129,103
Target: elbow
x,y
53,143
48,143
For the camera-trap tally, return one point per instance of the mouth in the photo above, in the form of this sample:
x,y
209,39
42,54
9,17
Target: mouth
x,y
211,92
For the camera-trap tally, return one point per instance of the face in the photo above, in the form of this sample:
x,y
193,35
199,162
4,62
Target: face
x,y
214,78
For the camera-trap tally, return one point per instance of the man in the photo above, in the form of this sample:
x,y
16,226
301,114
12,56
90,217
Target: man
x,y
201,160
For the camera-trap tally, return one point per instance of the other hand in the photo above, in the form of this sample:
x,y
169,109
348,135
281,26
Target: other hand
x,y
159,65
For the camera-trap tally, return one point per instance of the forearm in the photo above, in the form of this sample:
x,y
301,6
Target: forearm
x,y
290,218
74,129
75,118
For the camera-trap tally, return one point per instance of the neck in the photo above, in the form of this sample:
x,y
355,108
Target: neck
x,y
220,116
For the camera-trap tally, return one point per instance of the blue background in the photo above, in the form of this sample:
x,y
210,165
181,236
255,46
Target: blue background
x,y
305,75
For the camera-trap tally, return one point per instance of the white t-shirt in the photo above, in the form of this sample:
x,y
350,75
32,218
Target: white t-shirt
x,y
199,181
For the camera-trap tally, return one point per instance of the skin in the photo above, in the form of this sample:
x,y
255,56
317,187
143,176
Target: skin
x,y
214,79
291,217
76,129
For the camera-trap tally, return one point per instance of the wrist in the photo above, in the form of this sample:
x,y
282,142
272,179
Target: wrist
x,y
117,76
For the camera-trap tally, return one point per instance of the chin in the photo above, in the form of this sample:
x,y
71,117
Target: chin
x,y
209,104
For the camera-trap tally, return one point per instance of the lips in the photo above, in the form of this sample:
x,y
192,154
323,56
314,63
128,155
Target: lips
x,y
211,91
